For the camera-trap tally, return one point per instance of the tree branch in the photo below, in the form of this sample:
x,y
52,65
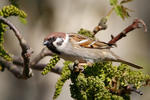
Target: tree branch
x,y
17,62
25,48
101,26
44,52
11,67
40,66
136,24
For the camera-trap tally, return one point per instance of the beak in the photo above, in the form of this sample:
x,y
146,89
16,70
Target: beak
x,y
45,42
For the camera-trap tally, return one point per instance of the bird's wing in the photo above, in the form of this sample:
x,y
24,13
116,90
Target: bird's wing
x,y
82,41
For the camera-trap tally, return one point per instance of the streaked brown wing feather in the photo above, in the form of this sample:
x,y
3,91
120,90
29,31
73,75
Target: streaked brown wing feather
x,y
100,45
77,37
88,44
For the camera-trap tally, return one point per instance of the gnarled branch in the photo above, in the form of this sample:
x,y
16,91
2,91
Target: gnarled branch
x,y
24,46
44,52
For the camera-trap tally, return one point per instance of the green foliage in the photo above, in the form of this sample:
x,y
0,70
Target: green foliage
x,y
8,11
3,52
64,76
85,33
2,30
50,65
102,81
11,10
125,1
120,9
113,2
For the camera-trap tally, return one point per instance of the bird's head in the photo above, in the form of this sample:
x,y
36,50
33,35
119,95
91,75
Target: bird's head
x,y
55,40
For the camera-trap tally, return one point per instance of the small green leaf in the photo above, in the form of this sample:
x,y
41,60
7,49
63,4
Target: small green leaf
x,y
125,1
125,12
119,11
113,2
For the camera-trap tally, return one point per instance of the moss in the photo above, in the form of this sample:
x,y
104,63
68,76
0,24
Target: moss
x,y
50,65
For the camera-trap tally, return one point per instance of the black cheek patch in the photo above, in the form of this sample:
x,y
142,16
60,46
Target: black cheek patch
x,y
51,47
60,43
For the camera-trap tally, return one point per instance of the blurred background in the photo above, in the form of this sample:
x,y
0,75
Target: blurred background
x,y
45,16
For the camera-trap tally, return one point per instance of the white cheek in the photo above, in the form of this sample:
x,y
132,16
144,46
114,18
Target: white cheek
x,y
57,41
55,44
65,43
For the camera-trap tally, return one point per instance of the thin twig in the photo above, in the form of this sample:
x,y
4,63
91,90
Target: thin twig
x,y
11,67
25,48
57,69
17,72
40,66
14,66
44,52
102,23
136,24
101,26
132,88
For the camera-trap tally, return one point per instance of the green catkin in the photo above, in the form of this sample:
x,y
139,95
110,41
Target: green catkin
x,y
94,82
3,53
65,75
8,11
11,10
50,65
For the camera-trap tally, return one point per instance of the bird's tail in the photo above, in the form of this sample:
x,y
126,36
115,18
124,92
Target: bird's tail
x,y
116,58
129,63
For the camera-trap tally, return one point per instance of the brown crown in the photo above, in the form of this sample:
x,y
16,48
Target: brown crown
x,y
56,34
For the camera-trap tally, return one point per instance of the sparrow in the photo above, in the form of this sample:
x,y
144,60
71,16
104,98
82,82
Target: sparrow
x,y
73,46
